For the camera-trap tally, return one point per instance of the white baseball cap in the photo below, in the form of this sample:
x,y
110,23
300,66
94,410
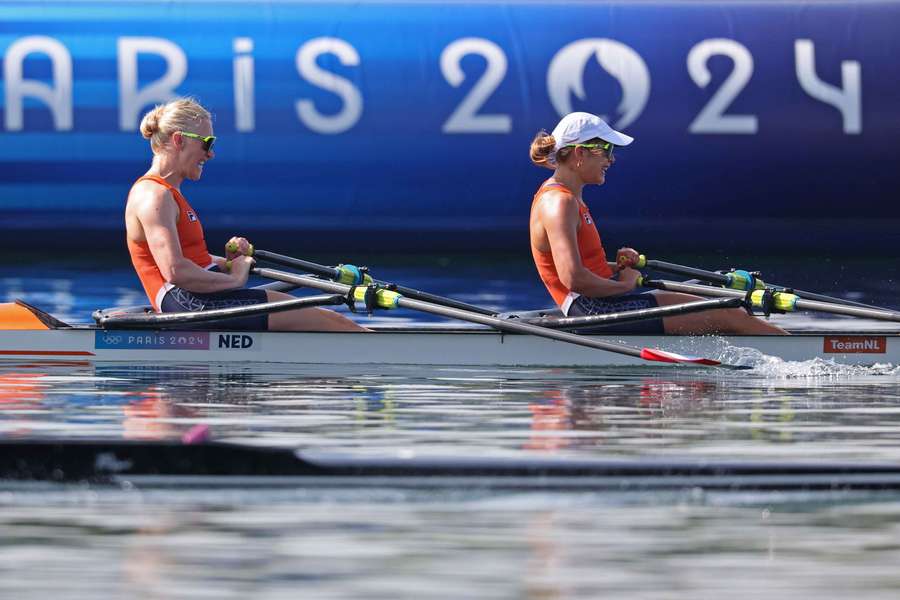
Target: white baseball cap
x,y
579,127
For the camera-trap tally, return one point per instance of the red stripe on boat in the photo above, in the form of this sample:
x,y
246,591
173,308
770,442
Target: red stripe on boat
x,y
46,353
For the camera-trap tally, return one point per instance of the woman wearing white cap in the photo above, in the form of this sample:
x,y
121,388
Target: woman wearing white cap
x,y
567,249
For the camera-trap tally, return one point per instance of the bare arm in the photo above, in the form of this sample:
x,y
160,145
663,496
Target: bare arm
x,y
157,212
559,217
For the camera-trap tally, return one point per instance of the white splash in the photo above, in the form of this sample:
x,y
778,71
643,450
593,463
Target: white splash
x,y
816,368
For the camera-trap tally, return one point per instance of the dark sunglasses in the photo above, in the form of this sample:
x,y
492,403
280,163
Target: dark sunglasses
x,y
208,140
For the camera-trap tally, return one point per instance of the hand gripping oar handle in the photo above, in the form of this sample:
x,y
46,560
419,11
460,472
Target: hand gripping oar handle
x,y
391,299
334,274
741,280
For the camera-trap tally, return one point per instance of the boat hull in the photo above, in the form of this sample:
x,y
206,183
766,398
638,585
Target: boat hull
x,y
425,346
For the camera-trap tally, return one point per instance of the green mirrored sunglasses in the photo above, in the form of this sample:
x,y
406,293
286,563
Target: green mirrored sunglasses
x,y
208,140
607,147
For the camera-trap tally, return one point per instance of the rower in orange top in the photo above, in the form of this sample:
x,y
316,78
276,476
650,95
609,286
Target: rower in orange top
x,y
165,238
569,254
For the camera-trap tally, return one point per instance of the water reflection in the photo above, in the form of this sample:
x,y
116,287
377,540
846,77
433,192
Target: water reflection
x,y
453,543
470,411
327,543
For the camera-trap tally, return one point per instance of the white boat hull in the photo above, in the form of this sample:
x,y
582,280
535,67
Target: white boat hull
x,y
424,346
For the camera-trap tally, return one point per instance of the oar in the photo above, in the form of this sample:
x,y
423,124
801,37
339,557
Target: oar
x,y
165,320
635,315
739,280
384,298
349,274
774,301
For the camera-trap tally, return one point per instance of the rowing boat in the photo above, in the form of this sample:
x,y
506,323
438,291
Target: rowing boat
x,y
51,340
530,338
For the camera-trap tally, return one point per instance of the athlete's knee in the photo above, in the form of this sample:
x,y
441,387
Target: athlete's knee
x,y
274,295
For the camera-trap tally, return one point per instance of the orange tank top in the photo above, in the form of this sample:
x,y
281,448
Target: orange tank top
x,y
190,237
590,249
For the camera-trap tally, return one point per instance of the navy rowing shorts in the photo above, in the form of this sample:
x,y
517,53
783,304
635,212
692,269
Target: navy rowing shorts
x,y
584,306
180,300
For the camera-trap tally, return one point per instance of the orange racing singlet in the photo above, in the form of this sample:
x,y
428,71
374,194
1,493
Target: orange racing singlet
x,y
190,237
590,249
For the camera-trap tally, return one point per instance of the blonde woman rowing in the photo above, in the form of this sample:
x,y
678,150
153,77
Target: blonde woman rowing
x,y
165,237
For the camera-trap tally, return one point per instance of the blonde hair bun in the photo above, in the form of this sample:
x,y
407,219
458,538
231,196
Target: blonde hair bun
x,y
179,114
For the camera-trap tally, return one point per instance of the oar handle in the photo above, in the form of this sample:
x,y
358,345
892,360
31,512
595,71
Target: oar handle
x,y
289,261
727,280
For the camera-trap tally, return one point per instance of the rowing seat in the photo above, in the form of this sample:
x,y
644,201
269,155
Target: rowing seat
x,y
21,315
532,314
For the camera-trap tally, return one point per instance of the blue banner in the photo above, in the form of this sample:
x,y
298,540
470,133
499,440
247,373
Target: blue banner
x,y
417,116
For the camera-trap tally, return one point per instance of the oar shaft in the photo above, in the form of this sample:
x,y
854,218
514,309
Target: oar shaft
x,y
852,311
635,315
329,272
801,304
691,288
427,297
169,320
823,298
726,280
454,313
515,327
296,263
701,274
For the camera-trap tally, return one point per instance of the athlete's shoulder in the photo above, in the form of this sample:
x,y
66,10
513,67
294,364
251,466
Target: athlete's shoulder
x,y
150,201
558,197
150,190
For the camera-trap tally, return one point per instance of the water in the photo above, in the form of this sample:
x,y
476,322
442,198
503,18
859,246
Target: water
x,y
80,541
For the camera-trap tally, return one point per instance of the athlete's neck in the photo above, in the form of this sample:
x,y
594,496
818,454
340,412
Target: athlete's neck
x,y
569,179
164,167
